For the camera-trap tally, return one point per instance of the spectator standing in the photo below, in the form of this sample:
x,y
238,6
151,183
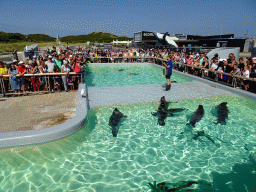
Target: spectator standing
x,y
42,68
35,79
50,67
213,68
236,71
31,54
4,71
65,69
15,54
220,69
22,70
58,62
241,64
15,81
34,61
246,73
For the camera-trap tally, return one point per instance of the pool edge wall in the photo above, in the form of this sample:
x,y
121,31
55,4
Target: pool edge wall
x,y
22,138
39,136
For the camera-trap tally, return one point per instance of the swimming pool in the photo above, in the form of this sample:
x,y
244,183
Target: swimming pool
x,y
130,74
93,160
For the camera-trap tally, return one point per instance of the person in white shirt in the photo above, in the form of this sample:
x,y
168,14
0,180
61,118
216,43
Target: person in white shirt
x,y
213,68
65,68
246,73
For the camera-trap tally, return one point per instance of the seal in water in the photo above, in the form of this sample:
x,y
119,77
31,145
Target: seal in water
x,y
196,116
160,113
114,121
173,110
133,73
222,111
161,116
120,69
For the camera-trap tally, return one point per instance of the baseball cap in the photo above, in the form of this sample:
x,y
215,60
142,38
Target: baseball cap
x,y
254,58
34,57
50,57
65,62
14,61
21,62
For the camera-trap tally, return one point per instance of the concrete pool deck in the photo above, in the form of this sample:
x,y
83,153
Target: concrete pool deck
x,y
149,93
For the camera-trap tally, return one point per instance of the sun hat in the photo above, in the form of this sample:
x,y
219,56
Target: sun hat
x,y
21,62
222,59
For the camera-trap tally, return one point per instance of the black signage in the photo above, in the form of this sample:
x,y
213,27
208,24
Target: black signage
x,y
148,36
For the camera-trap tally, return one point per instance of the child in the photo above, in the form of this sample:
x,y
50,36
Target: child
x,y
220,76
70,83
57,80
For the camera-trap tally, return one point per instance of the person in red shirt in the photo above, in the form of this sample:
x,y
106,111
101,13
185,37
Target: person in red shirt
x,y
22,70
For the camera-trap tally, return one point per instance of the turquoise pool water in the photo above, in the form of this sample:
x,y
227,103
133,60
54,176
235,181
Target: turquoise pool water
x,y
93,160
108,75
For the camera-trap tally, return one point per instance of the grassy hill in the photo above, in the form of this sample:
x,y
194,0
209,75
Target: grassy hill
x,y
92,37
41,38
37,38
12,37
10,41
17,37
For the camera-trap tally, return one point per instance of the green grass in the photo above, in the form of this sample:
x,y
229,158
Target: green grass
x,y
10,41
9,47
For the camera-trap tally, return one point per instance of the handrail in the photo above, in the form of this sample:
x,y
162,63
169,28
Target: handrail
x,y
43,74
154,58
218,72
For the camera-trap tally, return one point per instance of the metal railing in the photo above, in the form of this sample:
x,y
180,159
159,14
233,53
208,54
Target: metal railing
x,y
39,75
234,79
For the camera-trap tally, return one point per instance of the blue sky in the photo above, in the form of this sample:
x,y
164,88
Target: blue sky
x,y
123,18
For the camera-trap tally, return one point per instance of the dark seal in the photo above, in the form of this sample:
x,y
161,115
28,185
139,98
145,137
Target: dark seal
x,y
196,116
222,113
114,121
160,112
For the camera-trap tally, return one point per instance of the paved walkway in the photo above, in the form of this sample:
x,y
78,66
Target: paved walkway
x,y
149,93
36,111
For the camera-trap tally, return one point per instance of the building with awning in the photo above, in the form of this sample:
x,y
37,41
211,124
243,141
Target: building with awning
x,y
121,42
147,39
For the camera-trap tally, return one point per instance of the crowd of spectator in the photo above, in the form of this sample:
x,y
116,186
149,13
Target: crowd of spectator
x,y
66,61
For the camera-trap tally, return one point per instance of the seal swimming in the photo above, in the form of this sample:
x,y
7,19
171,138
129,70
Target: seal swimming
x,y
173,110
196,116
114,121
160,113
222,112
133,73
120,69
161,116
